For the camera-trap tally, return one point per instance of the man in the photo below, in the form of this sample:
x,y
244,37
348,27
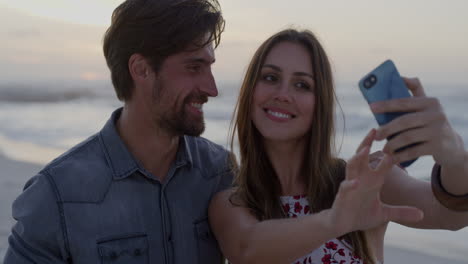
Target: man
x,y
137,191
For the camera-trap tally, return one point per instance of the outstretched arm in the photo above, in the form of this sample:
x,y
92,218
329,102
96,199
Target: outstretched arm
x,y
400,188
357,206
244,239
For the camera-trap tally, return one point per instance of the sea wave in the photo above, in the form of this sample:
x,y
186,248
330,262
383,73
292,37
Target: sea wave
x,y
57,92
15,93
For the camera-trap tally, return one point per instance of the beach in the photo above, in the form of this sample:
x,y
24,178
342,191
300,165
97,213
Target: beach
x,y
56,89
14,175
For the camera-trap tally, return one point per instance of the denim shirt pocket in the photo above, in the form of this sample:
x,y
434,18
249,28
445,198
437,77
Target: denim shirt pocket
x,y
130,249
208,249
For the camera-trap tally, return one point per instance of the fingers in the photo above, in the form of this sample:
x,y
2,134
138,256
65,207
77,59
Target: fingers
x,y
355,165
375,159
412,153
407,122
415,86
367,141
385,165
362,157
405,214
406,138
348,185
409,104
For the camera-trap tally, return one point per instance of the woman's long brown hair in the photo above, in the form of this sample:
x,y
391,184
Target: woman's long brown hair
x,y
257,185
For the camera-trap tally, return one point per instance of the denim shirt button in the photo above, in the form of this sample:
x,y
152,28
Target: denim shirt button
x,y
137,252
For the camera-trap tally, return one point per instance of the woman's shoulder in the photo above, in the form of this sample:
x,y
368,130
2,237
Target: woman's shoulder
x,y
224,193
227,209
227,197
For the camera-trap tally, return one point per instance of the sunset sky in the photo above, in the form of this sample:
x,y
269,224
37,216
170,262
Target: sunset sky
x,y
60,40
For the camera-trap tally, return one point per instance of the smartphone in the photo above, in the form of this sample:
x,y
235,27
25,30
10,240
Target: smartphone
x,y
385,83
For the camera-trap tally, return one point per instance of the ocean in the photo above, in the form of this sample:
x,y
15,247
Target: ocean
x,y
39,122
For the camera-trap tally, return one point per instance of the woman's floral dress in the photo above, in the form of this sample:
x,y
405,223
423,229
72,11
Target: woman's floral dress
x,y
333,251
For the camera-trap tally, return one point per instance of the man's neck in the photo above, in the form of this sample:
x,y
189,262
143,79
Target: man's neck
x,y
153,147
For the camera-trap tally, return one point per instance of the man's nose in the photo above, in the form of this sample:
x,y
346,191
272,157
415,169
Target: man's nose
x,y
209,86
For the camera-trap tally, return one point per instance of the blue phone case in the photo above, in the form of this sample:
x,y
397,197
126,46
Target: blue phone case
x,y
385,83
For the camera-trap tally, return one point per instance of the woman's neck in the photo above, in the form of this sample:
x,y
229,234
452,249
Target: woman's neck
x,y
287,161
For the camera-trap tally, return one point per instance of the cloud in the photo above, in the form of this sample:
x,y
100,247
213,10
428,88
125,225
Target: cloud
x,y
25,59
93,76
381,51
24,33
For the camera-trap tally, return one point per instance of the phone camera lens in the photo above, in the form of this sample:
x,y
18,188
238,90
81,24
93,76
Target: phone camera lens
x,y
370,81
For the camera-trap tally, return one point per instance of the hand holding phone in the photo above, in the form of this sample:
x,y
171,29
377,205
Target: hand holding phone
x,y
385,83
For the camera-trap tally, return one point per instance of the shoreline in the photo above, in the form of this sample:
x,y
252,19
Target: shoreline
x,y
14,175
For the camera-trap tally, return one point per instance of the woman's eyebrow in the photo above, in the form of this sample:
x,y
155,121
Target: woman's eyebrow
x,y
304,74
276,68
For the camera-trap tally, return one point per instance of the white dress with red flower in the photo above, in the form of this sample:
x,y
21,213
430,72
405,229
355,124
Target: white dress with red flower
x,y
334,251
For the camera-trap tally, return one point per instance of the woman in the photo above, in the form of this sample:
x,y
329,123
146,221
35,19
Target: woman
x,y
337,211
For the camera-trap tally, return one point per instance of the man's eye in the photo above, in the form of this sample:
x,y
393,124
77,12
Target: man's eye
x,y
194,68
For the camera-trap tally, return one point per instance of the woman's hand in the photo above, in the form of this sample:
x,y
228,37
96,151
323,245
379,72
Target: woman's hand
x,y
357,205
426,124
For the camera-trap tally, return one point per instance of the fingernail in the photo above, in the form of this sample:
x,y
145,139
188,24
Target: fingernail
x,y
366,149
373,107
421,216
354,182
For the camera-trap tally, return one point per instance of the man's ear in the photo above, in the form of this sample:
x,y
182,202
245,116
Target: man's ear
x,y
138,67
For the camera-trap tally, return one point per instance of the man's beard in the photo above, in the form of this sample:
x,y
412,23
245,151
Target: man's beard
x,y
175,120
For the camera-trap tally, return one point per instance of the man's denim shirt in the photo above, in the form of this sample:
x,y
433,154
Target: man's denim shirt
x,y
97,204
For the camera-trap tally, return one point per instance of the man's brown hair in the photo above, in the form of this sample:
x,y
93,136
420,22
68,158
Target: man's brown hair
x,y
157,29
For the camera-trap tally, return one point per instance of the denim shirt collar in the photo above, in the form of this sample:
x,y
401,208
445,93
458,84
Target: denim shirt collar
x,y
122,162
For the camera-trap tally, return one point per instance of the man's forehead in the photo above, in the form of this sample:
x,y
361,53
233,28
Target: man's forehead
x,y
196,52
207,50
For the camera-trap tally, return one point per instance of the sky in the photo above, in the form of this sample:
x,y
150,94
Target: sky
x,y
61,40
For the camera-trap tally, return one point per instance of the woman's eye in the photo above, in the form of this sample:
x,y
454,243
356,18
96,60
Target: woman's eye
x,y
270,78
303,85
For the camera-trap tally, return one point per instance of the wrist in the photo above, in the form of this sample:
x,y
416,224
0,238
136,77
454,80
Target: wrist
x,y
334,224
454,176
447,199
454,156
